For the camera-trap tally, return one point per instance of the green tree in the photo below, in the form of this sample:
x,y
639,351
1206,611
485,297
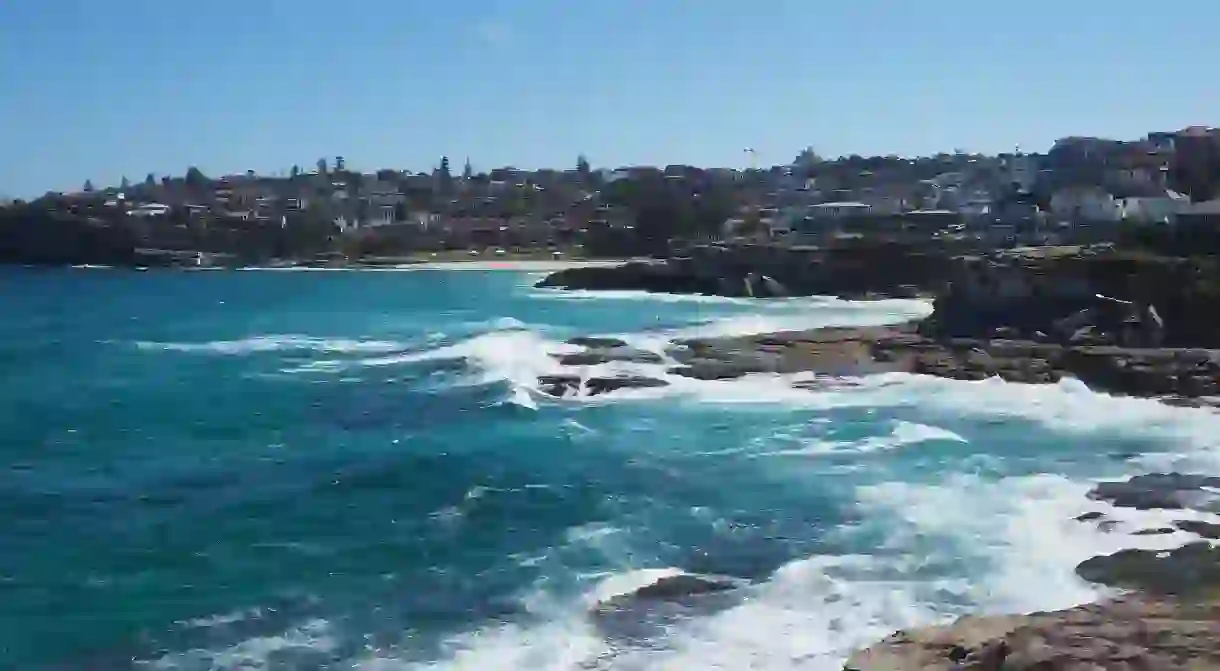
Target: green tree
x,y
88,186
124,183
150,180
467,171
295,172
582,167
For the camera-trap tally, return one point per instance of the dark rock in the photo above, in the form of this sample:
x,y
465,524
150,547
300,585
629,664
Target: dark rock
x,y
602,385
670,588
595,357
559,385
683,585
1199,528
708,369
1086,517
1158,531
570,385
1170,491
1190,568
596,342
1106,526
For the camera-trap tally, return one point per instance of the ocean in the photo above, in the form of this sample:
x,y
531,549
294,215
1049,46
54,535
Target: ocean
x,y
354,470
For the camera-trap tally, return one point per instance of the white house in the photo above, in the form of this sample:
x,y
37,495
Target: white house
x,y
1158,209
149,210
1085,203
974,203
839,210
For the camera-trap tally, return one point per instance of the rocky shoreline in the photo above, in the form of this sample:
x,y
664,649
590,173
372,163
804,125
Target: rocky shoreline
x,y
1178,376
1143,327
1169,620
1122,324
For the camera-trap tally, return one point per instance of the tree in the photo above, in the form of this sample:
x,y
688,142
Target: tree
x,y
295,172
582,166
445,167
124,183
467,171
88,186
321,166
150,180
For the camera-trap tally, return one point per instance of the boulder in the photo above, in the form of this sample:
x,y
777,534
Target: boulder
x,y
596,342
594,357
1158,531
1169,491
559,385
602,385
711,369
1189,569
671,588
570,385
1199,528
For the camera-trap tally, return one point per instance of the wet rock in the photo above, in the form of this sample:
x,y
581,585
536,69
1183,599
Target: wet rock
x,y
1169,491
671,588
1187,569
602,385
559,385
571,385
596,357
1199,528
1086,517
711,369
1136,632
1158,531
596,342
1106,526
641,617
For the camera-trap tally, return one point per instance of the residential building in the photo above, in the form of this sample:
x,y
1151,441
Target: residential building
x,y
1153,205
838,210
1085,203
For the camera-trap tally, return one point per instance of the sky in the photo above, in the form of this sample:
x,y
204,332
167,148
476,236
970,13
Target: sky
x,y
93,89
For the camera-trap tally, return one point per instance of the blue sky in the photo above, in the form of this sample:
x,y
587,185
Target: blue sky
x,y
99,89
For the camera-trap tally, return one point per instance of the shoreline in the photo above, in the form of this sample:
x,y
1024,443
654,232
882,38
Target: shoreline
x,y
516,265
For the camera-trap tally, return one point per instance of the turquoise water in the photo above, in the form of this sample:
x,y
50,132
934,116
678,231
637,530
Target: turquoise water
x,y
351,470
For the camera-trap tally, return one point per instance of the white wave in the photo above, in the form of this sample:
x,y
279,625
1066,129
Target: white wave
x,y
312,638
903,434
633,295
273,343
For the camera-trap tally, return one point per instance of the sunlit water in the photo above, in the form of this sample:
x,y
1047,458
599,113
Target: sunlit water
x,y
344,470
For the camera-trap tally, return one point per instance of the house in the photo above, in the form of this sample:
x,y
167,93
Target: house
x,y
1206,213
149,210
1154,206
972,204
1085,203
838,210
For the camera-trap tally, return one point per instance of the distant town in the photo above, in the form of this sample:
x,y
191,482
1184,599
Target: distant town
x,y
1081,190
